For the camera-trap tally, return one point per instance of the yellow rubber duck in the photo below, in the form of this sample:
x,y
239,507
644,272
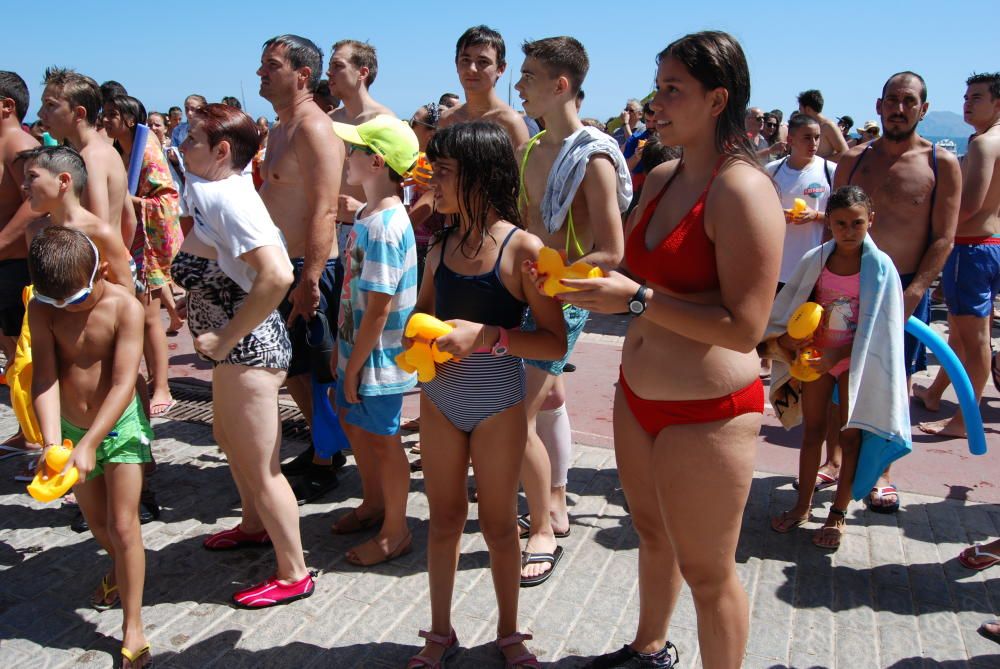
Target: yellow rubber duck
x,y
423,354
50,483
803,323
551,264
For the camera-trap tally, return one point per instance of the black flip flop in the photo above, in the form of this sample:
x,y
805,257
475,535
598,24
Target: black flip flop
x,y
534,558
524,523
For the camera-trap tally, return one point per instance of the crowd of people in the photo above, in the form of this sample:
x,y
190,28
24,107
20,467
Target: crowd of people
x,y
303,249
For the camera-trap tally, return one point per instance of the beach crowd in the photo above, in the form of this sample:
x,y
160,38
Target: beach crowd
x,y
352,257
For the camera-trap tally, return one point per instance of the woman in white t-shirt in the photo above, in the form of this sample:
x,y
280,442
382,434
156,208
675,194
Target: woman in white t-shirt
x,y
235,268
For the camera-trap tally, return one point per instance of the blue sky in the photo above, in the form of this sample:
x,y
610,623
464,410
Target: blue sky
x,y
210,48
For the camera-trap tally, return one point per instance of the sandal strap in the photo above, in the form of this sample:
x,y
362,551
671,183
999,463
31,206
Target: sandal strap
x,y
516,637
840,512
418,661
439,639
525,660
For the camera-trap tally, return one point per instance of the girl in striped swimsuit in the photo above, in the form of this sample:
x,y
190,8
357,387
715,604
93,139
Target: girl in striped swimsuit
x,y
478,278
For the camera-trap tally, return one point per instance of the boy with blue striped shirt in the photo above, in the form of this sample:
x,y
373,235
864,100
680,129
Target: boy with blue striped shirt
x,y
379,291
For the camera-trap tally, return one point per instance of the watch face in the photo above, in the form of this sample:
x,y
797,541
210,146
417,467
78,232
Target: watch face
x,y
499,350
636,307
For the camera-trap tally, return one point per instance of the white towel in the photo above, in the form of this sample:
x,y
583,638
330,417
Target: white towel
x,y
878,402
568,171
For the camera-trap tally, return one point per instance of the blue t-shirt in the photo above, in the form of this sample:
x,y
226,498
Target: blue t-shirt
x,y
381,257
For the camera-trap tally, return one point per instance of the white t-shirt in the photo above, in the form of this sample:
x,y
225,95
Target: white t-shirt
x,y
812,184
230,217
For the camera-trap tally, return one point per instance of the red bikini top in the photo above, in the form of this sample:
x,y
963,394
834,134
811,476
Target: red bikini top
x,y
684,262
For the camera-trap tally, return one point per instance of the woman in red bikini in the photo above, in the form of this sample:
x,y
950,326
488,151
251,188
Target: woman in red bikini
x,y
704,247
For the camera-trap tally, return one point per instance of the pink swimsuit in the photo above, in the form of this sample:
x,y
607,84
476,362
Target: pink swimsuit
x,y
838,296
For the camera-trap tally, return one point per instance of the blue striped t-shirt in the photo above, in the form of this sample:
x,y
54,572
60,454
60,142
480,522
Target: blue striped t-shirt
x,y
381,257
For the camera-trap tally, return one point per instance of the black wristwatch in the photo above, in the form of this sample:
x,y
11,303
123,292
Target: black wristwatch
x,y
637,305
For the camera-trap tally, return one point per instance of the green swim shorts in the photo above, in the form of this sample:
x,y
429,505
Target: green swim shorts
x,y
128,443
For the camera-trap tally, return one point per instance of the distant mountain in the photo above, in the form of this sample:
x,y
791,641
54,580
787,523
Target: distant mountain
x,y
944,124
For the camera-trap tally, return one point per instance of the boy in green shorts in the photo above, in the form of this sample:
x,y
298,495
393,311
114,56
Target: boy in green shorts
x,y
87,342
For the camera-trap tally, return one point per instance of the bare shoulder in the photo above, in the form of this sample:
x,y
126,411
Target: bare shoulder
x,y
13,145
948,158
526,244
123,302
508,118
658,176
377,109
100,156
853,152
456,114
313,127
93,226
987,144
739,175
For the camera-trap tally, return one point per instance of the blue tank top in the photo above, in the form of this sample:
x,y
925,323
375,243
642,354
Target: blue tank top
x,y
481,298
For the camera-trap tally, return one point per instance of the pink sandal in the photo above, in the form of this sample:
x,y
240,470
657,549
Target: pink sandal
x,y
524,660
449,643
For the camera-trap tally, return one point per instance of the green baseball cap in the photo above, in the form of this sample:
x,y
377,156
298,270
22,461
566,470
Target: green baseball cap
x,y
387,136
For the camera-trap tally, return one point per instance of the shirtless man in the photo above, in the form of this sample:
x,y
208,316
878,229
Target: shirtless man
x,y
71,103
971,277
301,174
832,144
353,68
480,58
54,179
15,212
352,71
916,192
591,229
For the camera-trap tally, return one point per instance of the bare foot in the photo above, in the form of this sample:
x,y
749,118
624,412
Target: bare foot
x,y
380,549
946,427
176,323
19,442
930,403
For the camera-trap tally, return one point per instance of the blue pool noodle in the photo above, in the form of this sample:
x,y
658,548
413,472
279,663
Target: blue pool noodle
x,y
327,434
135,160
959,379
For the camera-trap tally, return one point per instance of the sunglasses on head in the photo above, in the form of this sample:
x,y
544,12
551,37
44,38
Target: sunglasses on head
x,y
79,296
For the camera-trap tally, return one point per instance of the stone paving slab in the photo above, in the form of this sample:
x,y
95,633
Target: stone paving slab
x,y
893,596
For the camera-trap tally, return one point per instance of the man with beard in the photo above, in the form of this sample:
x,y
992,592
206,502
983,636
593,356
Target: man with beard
x,y
352,70
301,174
916,191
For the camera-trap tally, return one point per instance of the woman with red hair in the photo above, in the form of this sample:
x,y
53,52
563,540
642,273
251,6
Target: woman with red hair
x,y
236,270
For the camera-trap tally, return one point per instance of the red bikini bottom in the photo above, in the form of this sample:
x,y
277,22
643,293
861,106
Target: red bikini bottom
x,y
655,415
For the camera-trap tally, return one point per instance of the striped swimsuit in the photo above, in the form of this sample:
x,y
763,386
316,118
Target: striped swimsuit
x,y
470,390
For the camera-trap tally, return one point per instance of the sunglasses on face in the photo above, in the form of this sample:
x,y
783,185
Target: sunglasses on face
x,y
771,124
356,147
758,118
414,123
79,296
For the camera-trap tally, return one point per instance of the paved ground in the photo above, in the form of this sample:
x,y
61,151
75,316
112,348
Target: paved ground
x,y
893,596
